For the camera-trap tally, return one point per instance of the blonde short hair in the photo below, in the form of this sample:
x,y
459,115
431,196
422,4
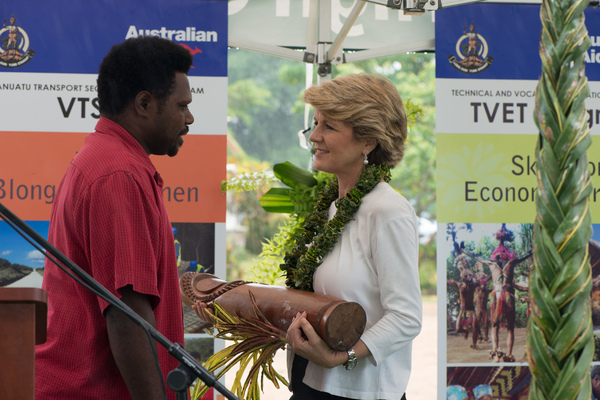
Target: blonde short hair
x,y
371,104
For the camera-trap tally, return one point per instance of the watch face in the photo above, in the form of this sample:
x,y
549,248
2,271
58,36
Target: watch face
x,y
351,363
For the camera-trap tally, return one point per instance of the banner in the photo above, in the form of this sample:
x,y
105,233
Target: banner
x,y
50,52
487,69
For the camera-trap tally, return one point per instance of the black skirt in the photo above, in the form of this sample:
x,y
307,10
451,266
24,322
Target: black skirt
x,y
301,391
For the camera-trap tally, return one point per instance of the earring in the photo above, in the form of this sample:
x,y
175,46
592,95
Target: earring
x,y
366,161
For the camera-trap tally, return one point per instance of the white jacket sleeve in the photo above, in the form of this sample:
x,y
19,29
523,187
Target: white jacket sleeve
x,y
395,253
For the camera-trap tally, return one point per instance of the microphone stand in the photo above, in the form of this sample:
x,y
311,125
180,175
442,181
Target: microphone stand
x,y
178,379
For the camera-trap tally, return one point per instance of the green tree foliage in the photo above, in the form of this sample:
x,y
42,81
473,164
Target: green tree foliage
x,y
244,98
251,184
415,176
262,90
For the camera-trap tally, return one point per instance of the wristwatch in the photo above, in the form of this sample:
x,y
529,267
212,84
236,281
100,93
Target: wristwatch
x,y
352,360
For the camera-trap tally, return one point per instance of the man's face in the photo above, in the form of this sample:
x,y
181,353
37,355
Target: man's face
x,y
467,276
171,119
596,385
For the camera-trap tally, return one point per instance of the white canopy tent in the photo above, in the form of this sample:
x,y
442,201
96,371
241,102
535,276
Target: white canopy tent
x,y
327,32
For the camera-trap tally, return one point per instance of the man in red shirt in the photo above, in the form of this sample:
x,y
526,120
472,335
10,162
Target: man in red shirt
x,y
110,219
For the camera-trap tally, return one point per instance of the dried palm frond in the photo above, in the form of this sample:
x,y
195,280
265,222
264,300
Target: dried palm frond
x,y
256,341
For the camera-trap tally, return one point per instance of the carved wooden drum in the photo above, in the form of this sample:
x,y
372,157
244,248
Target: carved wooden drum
x,y
339,323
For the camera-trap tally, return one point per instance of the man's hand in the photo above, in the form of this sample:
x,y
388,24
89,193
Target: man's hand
x,y
131,347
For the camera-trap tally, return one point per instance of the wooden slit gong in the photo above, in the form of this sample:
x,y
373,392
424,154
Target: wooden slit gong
x,y
339,323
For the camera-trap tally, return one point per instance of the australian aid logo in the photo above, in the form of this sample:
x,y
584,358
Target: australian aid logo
x,y
14,45
189,34
592,56
471,52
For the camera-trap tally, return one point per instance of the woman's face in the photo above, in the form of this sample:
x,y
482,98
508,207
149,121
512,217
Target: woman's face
x,y
338,151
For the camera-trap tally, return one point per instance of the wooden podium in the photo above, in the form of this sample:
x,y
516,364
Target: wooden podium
x,y
23,315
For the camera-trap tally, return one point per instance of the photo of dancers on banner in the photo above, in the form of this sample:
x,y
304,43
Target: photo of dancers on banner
x,y
487,275
487,304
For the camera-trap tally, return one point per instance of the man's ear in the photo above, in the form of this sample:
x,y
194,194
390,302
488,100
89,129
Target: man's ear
x,y
142,103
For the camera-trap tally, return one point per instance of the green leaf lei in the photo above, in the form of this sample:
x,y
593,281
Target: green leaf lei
x,y
317,236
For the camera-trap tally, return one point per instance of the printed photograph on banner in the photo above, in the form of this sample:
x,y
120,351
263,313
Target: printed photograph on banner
x,y
488,383
487,274
195,250
201,348
594,250
21,264
595,379
487,279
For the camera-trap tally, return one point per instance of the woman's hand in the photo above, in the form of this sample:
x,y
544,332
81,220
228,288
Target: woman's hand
x,y
199,308
305,342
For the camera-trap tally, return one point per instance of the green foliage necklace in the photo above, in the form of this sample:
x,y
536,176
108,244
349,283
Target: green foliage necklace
x,y
317,236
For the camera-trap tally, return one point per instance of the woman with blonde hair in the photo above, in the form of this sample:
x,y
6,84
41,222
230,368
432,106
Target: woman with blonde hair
x,y
360,244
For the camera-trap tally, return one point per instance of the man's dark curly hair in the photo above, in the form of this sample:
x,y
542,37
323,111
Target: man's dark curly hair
x,y
146,63
595,371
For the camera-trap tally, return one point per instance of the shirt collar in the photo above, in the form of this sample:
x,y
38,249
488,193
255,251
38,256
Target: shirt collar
x,y
109,127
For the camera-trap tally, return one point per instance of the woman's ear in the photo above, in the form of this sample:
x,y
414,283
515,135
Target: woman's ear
x,y
370,145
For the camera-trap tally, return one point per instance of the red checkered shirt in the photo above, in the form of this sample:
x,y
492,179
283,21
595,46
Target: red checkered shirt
x,y
110,219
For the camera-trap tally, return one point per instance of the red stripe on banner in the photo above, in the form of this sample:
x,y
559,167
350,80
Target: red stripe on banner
x,y
192,189
32,165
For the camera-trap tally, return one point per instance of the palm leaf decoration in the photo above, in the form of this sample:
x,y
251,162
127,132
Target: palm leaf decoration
x,y
299,195
560,331
256,341
296,197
